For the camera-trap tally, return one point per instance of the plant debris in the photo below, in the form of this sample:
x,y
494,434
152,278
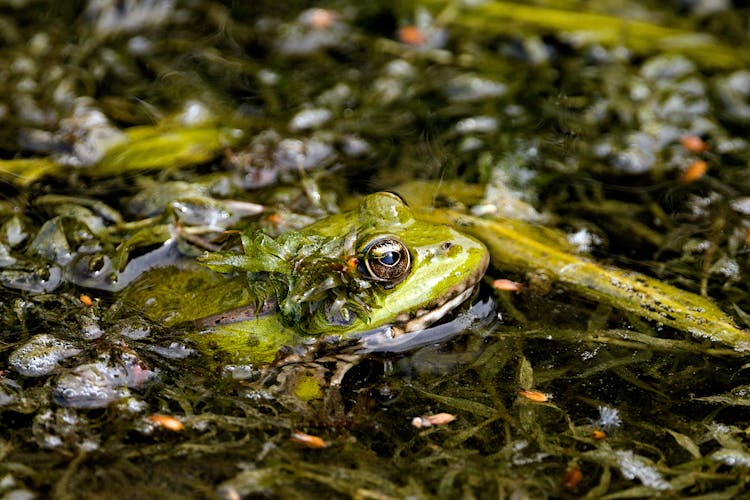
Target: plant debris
x,y
600,149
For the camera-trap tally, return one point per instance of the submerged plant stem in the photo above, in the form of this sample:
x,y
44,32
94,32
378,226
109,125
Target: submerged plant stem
x,y
640,36
512,248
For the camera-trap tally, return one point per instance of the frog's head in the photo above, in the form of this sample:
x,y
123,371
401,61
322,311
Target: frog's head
x,y
405,272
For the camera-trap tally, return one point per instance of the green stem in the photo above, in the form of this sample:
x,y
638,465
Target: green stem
x,y
512,248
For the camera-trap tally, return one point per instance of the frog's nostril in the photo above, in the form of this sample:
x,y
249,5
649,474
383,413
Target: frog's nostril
x,y
446,245
96,263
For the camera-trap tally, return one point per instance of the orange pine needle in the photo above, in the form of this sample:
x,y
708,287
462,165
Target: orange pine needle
x,y
411,35
535,396
507,285
430,420
694,144
166,422
572,477
321,18
274,219
695,171
308,440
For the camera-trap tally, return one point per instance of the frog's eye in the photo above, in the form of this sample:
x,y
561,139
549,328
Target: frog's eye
x,y
386,259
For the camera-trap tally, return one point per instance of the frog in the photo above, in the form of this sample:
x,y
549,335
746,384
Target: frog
x,y
374,269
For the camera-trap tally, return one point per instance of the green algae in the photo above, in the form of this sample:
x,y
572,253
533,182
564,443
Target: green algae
x,y
587,26
145,148
24,171
149,148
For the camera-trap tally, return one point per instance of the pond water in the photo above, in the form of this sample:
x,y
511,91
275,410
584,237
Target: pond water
x,y
135,133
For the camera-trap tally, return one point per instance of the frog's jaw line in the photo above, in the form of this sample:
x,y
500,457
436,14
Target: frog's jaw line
x,y
421,322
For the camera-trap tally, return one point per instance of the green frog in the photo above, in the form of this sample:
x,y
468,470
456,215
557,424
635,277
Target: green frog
x,y
375,267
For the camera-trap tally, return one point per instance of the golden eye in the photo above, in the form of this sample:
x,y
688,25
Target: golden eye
x,y
386,259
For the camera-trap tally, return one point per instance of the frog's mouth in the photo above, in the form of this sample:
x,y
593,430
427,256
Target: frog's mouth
x,y
420,319
425,317
394,339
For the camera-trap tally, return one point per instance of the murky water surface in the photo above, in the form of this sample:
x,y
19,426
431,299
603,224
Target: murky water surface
x,y
140,131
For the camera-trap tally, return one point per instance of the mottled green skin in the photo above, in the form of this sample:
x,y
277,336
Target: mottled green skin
x,y
444,263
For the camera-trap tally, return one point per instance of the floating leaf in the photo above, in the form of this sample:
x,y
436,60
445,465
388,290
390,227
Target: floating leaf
x,y
525,373
739,396
687,443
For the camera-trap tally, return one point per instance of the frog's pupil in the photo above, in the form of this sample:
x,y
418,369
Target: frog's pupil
x,y
390,258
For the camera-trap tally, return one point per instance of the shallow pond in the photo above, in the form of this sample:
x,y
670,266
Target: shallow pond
x,y
138,136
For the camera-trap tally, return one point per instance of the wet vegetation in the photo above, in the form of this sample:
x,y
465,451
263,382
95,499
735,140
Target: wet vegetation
x,y
138,136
